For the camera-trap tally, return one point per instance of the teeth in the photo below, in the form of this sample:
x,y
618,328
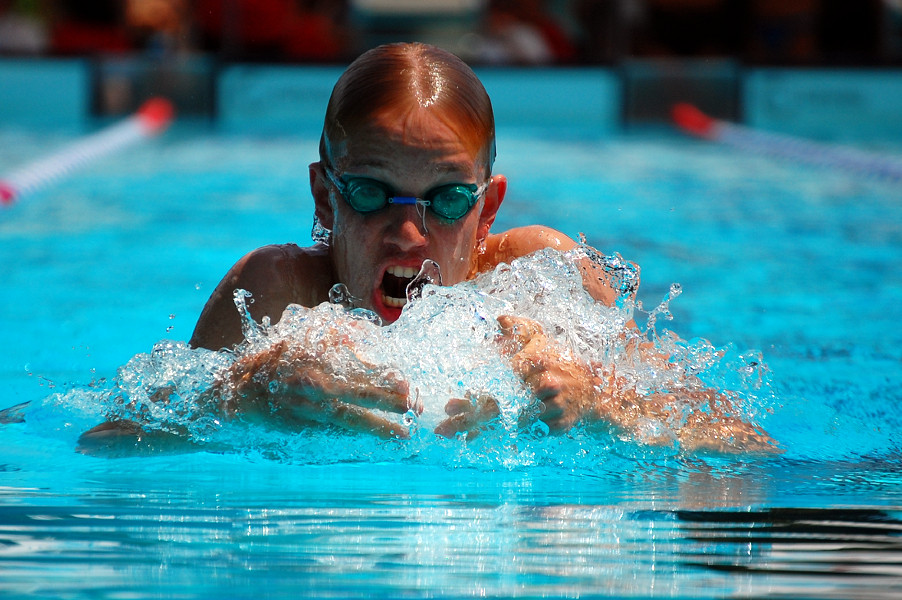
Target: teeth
x,y
394,302
406,272
401,272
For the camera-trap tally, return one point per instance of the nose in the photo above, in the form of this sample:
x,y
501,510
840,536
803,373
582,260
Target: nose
x,y
406,229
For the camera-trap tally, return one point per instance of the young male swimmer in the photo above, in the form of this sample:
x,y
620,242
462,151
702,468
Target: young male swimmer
x,y
405,176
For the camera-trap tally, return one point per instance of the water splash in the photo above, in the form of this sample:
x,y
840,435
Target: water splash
x,y
249,327
622,274
662,310
339,294
445,345
429,273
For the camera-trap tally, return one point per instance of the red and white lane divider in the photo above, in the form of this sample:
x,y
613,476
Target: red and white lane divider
x,y
151,119
693,121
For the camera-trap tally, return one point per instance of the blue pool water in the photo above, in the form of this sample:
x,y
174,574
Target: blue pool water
x,y
797,263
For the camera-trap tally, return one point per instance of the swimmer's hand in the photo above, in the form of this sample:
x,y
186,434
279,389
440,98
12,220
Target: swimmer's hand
x,y
711,424
468,416
284,385
570,391
294,386
564,385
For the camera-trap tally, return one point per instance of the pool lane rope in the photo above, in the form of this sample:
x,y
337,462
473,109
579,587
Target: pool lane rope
x,y
694,122
152,118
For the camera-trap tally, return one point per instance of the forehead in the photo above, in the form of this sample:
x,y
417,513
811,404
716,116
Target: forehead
x,y
418,138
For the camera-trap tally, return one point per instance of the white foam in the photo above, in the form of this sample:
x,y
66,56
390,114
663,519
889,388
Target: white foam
x,y
445,345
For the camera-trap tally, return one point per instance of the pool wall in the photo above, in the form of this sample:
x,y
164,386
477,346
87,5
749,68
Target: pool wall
x,y
862,104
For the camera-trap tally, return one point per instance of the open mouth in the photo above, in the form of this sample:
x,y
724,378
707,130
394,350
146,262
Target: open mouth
x,y
394,285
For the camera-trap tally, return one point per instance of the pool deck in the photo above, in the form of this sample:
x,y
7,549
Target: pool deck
x,y
255,99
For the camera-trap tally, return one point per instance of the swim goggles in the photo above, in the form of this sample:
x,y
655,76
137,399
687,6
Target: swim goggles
x,y
449,202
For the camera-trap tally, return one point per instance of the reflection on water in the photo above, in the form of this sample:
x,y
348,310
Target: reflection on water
x,y
353,533
206,525
803,552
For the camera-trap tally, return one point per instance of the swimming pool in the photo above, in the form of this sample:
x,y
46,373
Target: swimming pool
x,y
796,262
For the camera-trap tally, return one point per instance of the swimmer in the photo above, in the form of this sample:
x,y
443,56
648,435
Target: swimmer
x,y
404,176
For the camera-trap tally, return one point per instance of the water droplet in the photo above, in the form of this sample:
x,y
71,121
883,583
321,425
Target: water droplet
x,y
339,294
430,273
540,429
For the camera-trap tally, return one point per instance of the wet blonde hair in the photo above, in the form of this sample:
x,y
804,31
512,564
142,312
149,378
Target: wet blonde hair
x,y
410,75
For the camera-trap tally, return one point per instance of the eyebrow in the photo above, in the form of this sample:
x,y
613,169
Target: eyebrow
x,y
441,167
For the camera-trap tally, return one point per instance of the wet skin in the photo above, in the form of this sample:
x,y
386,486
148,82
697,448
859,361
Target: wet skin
x,y
412,153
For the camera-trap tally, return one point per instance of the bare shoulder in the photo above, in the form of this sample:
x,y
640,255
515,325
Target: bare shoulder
x,y
274,263
598,280
276,276
520,241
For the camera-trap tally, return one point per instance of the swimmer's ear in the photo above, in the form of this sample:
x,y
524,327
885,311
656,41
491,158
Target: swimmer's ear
x,y
494,196
319,187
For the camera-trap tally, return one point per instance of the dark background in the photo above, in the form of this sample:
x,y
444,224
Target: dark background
x,y
484,32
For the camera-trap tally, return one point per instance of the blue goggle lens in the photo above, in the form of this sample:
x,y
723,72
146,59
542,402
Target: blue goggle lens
x,y
450,202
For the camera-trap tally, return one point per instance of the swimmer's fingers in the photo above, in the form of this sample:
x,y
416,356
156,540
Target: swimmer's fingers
x,y
725,434
354,418
391,394
122,438
516,332
468,417
450,427
367,386
247,370
533,357
293,369
343,415
487,409
565,387
458,406
558,411
548,390
388,392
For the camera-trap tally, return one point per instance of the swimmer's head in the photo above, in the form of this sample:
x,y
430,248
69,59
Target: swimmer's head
x,y
408,120
397,79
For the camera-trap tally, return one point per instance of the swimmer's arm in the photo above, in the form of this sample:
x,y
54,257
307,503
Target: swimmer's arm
x,y
571,391
520,241
283,386
276,276
292,387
